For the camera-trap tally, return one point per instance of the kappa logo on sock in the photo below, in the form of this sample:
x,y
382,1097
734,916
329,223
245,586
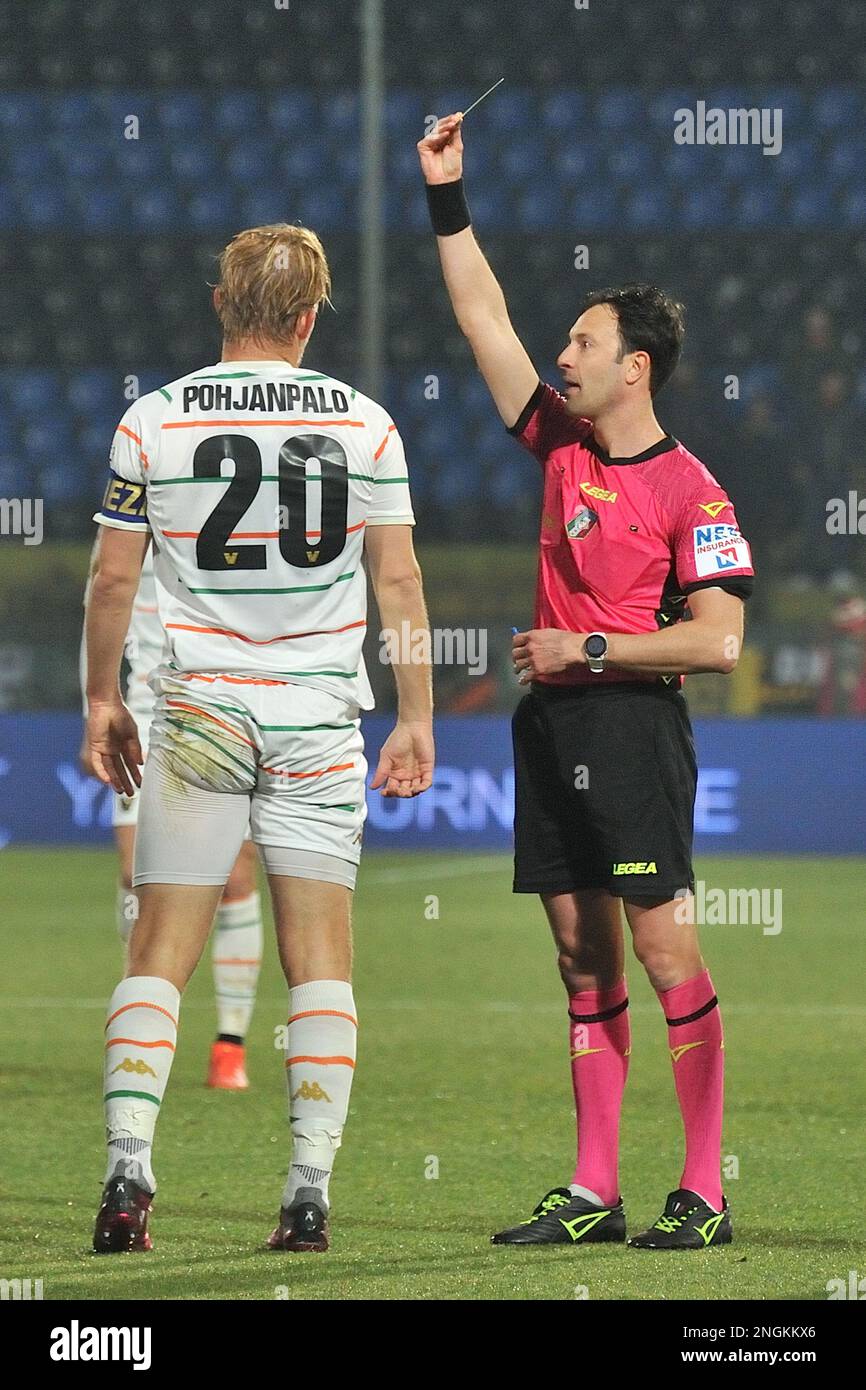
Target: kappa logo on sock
x,y
310,1091
140,1067
585,1051
677,1052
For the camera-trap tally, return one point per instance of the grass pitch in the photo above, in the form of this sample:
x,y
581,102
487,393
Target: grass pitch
x,y
463,1071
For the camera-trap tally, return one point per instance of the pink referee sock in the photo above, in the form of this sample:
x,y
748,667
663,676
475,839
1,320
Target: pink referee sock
x,y
600,1039
697,1053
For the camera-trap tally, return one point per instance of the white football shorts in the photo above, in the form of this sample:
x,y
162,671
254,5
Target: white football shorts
x,y
229,752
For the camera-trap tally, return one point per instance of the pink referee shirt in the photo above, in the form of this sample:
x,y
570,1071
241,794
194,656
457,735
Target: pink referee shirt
x,y
624,541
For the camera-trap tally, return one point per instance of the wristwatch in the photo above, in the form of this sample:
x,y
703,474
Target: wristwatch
x,y
595,651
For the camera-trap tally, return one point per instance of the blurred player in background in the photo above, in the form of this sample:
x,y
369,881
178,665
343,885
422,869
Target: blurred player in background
x,y
633,529
237,939
267,489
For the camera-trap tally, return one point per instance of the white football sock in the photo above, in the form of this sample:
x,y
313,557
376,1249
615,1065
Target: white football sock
x,y
237,958
141,1033
320,1061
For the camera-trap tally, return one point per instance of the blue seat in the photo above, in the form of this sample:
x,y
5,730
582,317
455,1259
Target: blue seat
x,y
346,163
837,108
183,113
811,206
661,109
72,111
760,379
475,396
853,206
8,435
155,209
756,205
490,206
100,209
592,208
63,482
195,160
402,162
95,391
8,207
684,162
798,159
409,209
87,160
238,115
249,161
21,112
95,438
291,113
631,160
577,161
140,159
30,158
513,479
619,108
212,208
40,438
846,157
16,476
790,101
520,158
41,205
326,206
488,436
269,203
509,108
538,206
563,110
454,481
647,208
735,162
404,113
340,114
703,206
305,160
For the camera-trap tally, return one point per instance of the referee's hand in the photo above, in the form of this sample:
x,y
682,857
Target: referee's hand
x,y
545,652
441,152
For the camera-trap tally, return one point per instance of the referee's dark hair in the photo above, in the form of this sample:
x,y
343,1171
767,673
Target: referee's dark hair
x,y
649,321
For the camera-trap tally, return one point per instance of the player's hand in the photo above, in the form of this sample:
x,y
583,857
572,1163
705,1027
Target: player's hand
x,y
115,750
441,152
406,761
545,652
85,761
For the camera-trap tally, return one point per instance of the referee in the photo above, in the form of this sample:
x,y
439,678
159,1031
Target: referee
x,y
633,529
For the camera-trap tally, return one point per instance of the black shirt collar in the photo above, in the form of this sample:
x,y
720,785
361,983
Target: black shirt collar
x,y
663,446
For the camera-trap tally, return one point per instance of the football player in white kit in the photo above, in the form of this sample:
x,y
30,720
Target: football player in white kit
x,y
268,490
237,936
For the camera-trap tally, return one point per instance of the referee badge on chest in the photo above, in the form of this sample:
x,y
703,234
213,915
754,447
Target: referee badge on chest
x,y
581,524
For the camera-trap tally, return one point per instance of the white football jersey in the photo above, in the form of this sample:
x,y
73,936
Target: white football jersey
x,y
258,480
145,640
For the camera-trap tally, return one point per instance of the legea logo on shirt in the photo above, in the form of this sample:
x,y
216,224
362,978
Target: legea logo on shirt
x,y
581,524
598,492
719,548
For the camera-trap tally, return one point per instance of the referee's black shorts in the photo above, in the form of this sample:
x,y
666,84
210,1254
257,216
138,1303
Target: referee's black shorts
x,y
605,780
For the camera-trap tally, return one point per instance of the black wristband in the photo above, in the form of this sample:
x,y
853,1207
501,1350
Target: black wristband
x,y
449,210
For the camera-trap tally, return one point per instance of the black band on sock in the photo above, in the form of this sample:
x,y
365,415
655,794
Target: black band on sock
x,y
230,1037
692,1018
449,210
602,1017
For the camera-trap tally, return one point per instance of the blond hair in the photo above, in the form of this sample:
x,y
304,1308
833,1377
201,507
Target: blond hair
x,y
269,276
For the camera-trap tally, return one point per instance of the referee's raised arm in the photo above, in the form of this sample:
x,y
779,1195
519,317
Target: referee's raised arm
x,y
476,296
